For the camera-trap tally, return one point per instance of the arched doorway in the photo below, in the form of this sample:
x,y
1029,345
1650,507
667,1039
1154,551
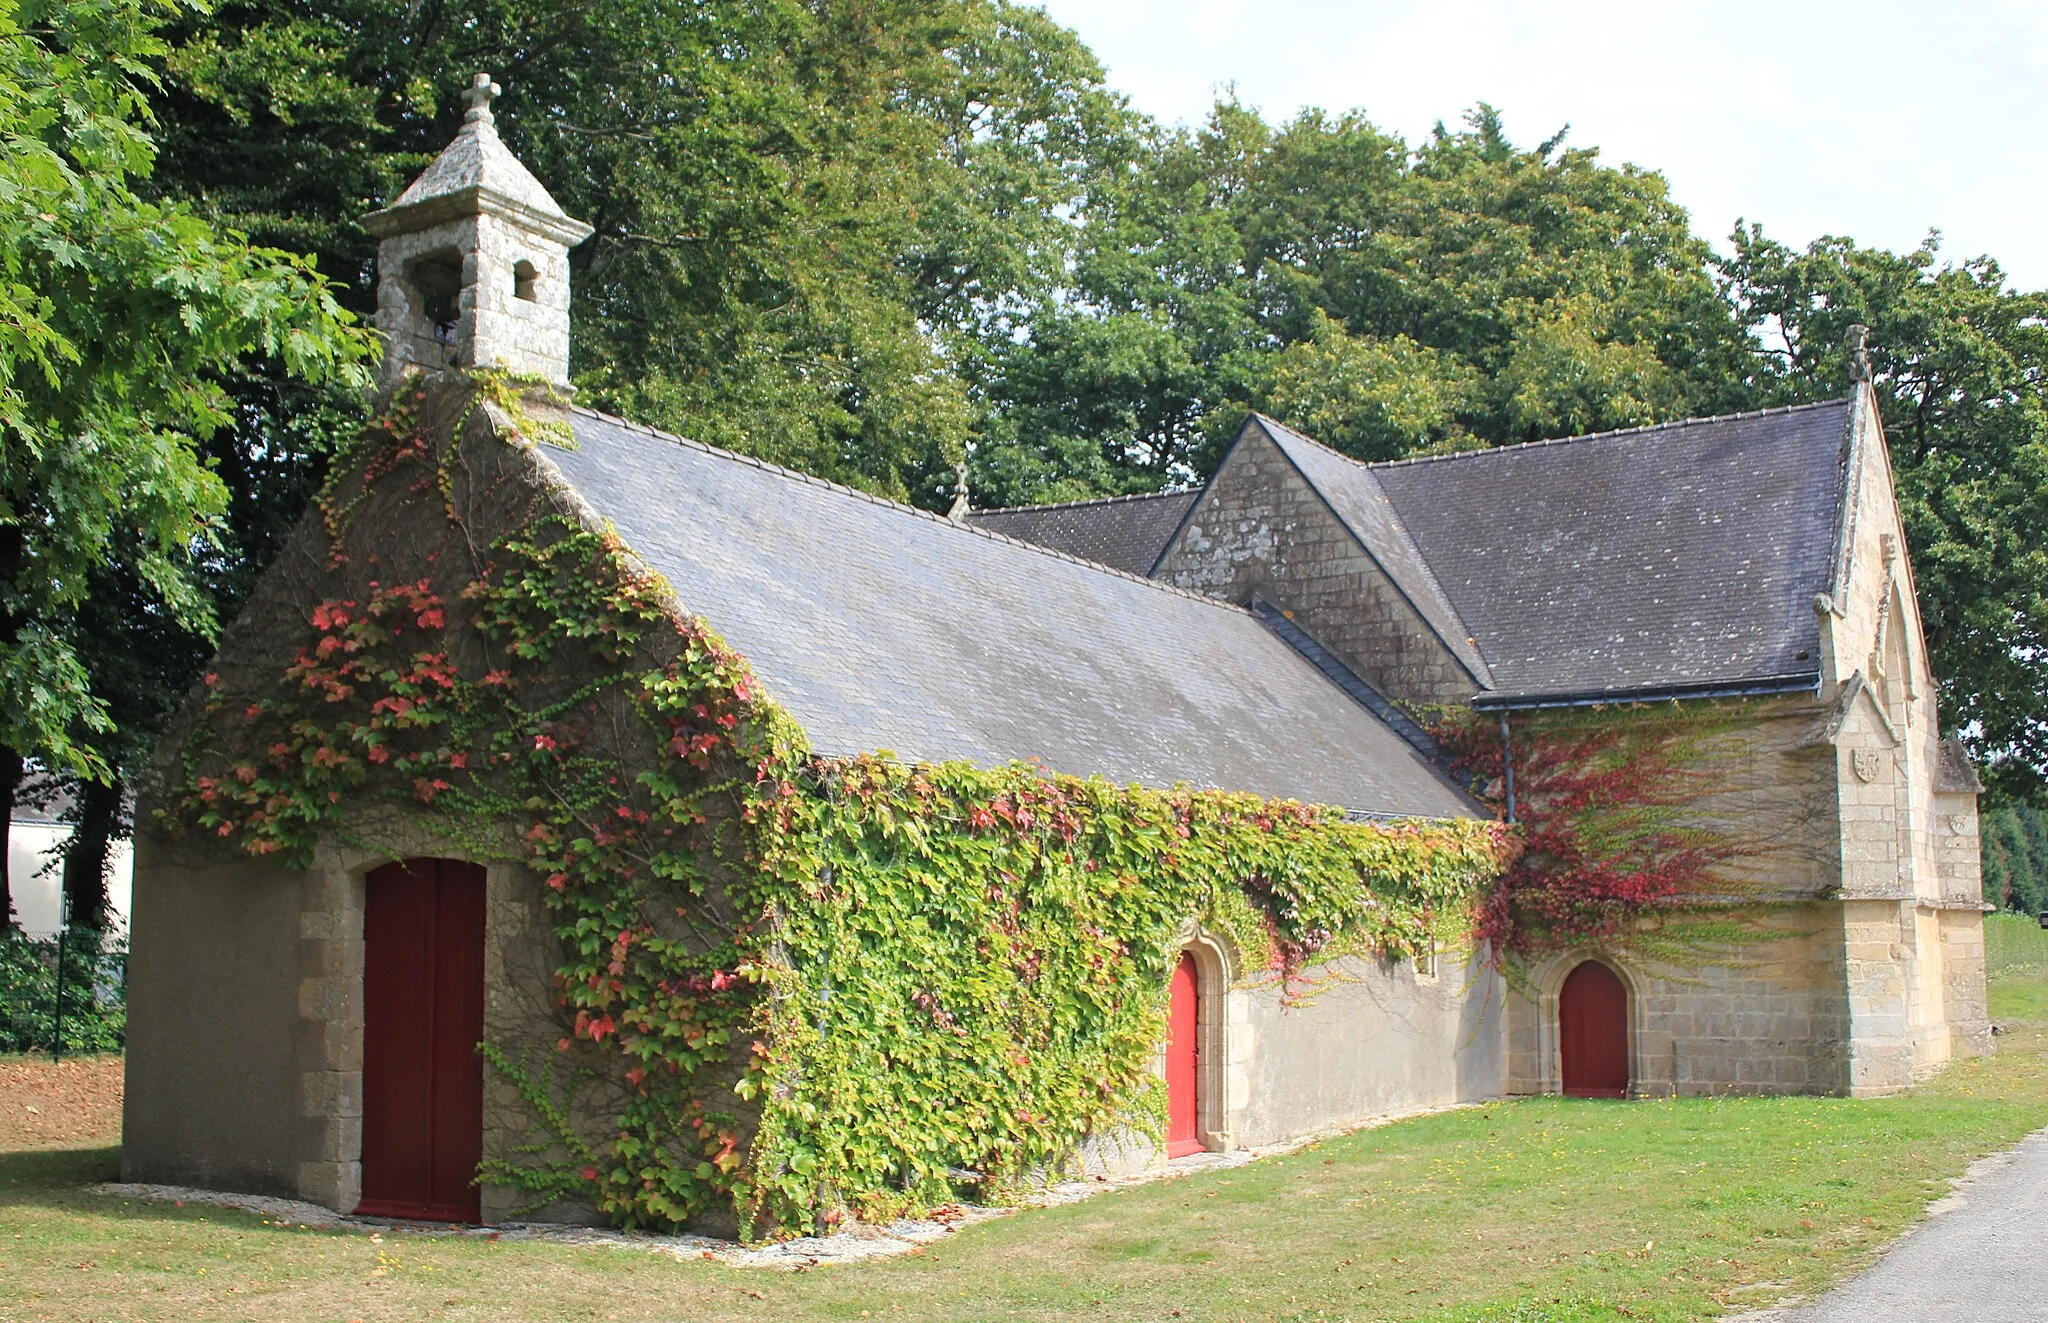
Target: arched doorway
x,y
423,1016
1592,1024
1184,1060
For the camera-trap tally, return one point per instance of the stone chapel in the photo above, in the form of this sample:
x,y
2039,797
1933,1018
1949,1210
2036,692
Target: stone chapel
x,y
1272,631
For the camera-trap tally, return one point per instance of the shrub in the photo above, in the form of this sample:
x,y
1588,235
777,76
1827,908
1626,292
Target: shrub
x,y
95,1009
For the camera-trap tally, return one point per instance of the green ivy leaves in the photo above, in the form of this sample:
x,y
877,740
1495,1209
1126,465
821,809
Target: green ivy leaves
x,y
975,980
822,987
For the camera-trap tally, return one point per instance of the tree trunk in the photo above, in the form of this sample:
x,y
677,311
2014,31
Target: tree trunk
x,y
86,854
10,781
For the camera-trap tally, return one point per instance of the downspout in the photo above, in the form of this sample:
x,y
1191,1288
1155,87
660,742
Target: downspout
x,y
1507,764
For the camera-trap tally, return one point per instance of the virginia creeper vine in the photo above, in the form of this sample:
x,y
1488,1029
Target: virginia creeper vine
x,y
1620,850
823,987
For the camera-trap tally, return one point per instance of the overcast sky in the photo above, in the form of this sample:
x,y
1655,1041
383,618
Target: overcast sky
x,y
1877,120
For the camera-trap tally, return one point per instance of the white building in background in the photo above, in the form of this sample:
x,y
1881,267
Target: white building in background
x,y
35,841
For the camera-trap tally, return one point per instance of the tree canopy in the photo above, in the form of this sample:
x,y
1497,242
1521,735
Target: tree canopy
x,y
117,316
863,238
802,210
1384,298
2015,839
113,312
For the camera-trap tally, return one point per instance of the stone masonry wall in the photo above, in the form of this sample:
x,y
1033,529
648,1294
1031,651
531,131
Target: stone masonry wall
x,y
1776,802
330,1029
1380,1038
1260,530
1963,991
215,1094
1772,1022
1771,1017
494,326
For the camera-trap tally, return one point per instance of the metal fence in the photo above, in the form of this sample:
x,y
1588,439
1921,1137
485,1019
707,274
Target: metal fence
x,y
63,992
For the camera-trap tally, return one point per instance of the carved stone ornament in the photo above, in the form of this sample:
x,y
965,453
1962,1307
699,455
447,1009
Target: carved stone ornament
x,y
1957,824
1868,763
1859,352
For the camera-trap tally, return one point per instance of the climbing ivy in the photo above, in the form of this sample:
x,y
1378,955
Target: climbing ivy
x,y
969,961
828,987
1623,845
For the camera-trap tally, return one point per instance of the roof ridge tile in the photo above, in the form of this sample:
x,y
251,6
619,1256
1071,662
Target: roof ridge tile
x,y
1674,425
1092,500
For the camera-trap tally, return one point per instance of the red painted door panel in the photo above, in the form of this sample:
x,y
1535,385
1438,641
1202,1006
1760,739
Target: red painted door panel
x,y
1183,1062
1592,1021
423,1016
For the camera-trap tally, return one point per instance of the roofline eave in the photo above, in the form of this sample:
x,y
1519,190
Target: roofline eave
x,y
1477,810
1750,687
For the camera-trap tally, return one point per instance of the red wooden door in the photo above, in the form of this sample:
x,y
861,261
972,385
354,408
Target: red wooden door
x,y
423,1016
1592,1022
1183,1062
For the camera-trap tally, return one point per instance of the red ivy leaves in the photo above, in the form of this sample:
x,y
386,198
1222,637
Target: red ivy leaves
x,y
375,700
1608,806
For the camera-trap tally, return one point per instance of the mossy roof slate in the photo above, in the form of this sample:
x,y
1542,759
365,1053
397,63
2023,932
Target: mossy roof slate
x,y
1664,557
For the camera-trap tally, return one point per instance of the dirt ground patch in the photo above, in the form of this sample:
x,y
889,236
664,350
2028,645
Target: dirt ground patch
x,y
59,1104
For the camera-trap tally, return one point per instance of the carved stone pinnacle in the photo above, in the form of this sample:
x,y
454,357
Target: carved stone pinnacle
x,y
1859,352
958,514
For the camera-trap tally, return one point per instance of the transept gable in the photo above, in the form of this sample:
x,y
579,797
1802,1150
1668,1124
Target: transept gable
x,y
1264,529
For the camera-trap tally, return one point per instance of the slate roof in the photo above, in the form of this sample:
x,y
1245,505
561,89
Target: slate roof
x,y
1661,558
1123,532
1667,559
882,627
1351,682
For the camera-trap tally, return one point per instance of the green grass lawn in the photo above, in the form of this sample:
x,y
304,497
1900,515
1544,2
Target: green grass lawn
x,y
2014,944
1540,1209
2016,964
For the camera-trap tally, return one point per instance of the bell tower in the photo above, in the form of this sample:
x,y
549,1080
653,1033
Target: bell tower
x,y
473,262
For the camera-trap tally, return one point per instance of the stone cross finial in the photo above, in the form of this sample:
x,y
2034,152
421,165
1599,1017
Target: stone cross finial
x,y
480,93
1859,352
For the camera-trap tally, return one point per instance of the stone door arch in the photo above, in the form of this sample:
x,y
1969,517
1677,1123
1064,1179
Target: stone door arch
x,y
1220,1032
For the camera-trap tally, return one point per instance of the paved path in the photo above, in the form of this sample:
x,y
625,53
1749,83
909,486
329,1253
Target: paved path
x,y
1979,1257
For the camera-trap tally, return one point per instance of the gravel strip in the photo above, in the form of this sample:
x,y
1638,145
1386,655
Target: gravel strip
x,y
861,1242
